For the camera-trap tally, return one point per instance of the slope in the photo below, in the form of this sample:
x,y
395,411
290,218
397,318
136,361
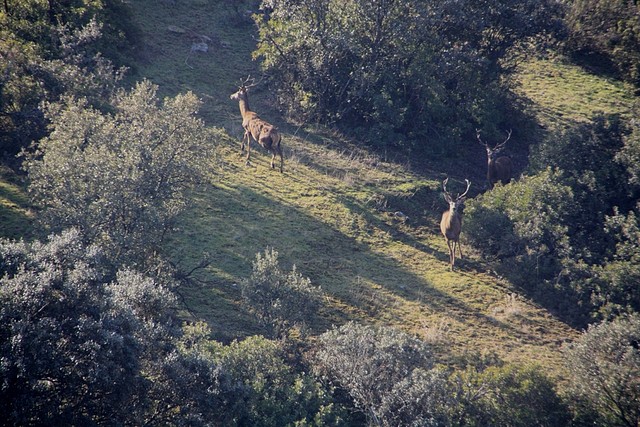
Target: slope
x,y
331,213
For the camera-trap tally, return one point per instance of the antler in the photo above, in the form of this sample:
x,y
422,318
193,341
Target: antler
x,y
447,196
466,191
502,144
244,83
480,141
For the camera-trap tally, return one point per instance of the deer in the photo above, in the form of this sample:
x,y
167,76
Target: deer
x,y
451,222
261,131
498,168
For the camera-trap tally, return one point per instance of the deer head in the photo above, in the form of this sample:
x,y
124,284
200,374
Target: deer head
x,y
455,205
241,94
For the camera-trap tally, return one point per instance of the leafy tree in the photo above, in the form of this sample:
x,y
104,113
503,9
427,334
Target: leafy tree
x,y
280,300
83,346
614,282
609,29
271,391
382,369
396,70
44,58
120,177
506,395
603,365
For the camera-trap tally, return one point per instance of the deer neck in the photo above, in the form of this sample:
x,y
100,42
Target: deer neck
x,y
453,217
244,106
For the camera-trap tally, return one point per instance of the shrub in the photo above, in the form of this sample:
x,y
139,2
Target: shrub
x,y
387,373
80,346
526,220
603,365
121,178
507,395
280,300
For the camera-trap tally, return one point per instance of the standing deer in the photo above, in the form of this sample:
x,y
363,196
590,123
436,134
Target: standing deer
x,y
498,168
262,132
451,223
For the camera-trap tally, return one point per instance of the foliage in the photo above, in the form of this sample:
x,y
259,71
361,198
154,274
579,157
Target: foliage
x,y
81,346
527,220
585,154
121,178
280,300
396,70
609,29
49,49
614,283
506,395
387,373
603,365
272,392
629,154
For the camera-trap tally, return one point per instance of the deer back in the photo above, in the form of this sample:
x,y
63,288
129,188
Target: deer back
x,y
500,169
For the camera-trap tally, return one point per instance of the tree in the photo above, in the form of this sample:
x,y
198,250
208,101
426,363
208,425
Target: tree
x,y
603,365
83,346
383,369
608,29
280,300
272,391
120,177
41,59
425,72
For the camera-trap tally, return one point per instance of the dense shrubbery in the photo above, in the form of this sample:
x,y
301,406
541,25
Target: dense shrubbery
x,y
120,177
570,224
81,345
608,30
279,300
50,49
395,72
604,365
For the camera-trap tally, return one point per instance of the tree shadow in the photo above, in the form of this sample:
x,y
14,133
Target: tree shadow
x,y
360,281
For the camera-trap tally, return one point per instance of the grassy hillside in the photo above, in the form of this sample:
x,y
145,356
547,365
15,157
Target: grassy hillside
x,y
331,213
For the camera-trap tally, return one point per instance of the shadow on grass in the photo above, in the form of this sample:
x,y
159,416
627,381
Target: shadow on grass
x,y
233,222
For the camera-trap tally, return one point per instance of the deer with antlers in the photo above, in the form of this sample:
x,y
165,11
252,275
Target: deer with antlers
x,y
498,168
261,131
451,222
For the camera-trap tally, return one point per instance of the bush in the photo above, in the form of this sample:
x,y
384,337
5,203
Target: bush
x,y
603,365
387,373
280,300
507,395
83,347
426,72
525,220
120,178
270,391
610,29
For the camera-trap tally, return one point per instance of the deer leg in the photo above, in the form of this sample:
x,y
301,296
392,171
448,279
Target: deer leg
x,y
460,249
248,147
242,143
453,254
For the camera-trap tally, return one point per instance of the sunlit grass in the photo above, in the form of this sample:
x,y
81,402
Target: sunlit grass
x,y
562,93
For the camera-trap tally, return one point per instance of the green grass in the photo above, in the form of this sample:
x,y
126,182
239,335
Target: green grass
x,y
16,215
562,93
332,211
330,214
